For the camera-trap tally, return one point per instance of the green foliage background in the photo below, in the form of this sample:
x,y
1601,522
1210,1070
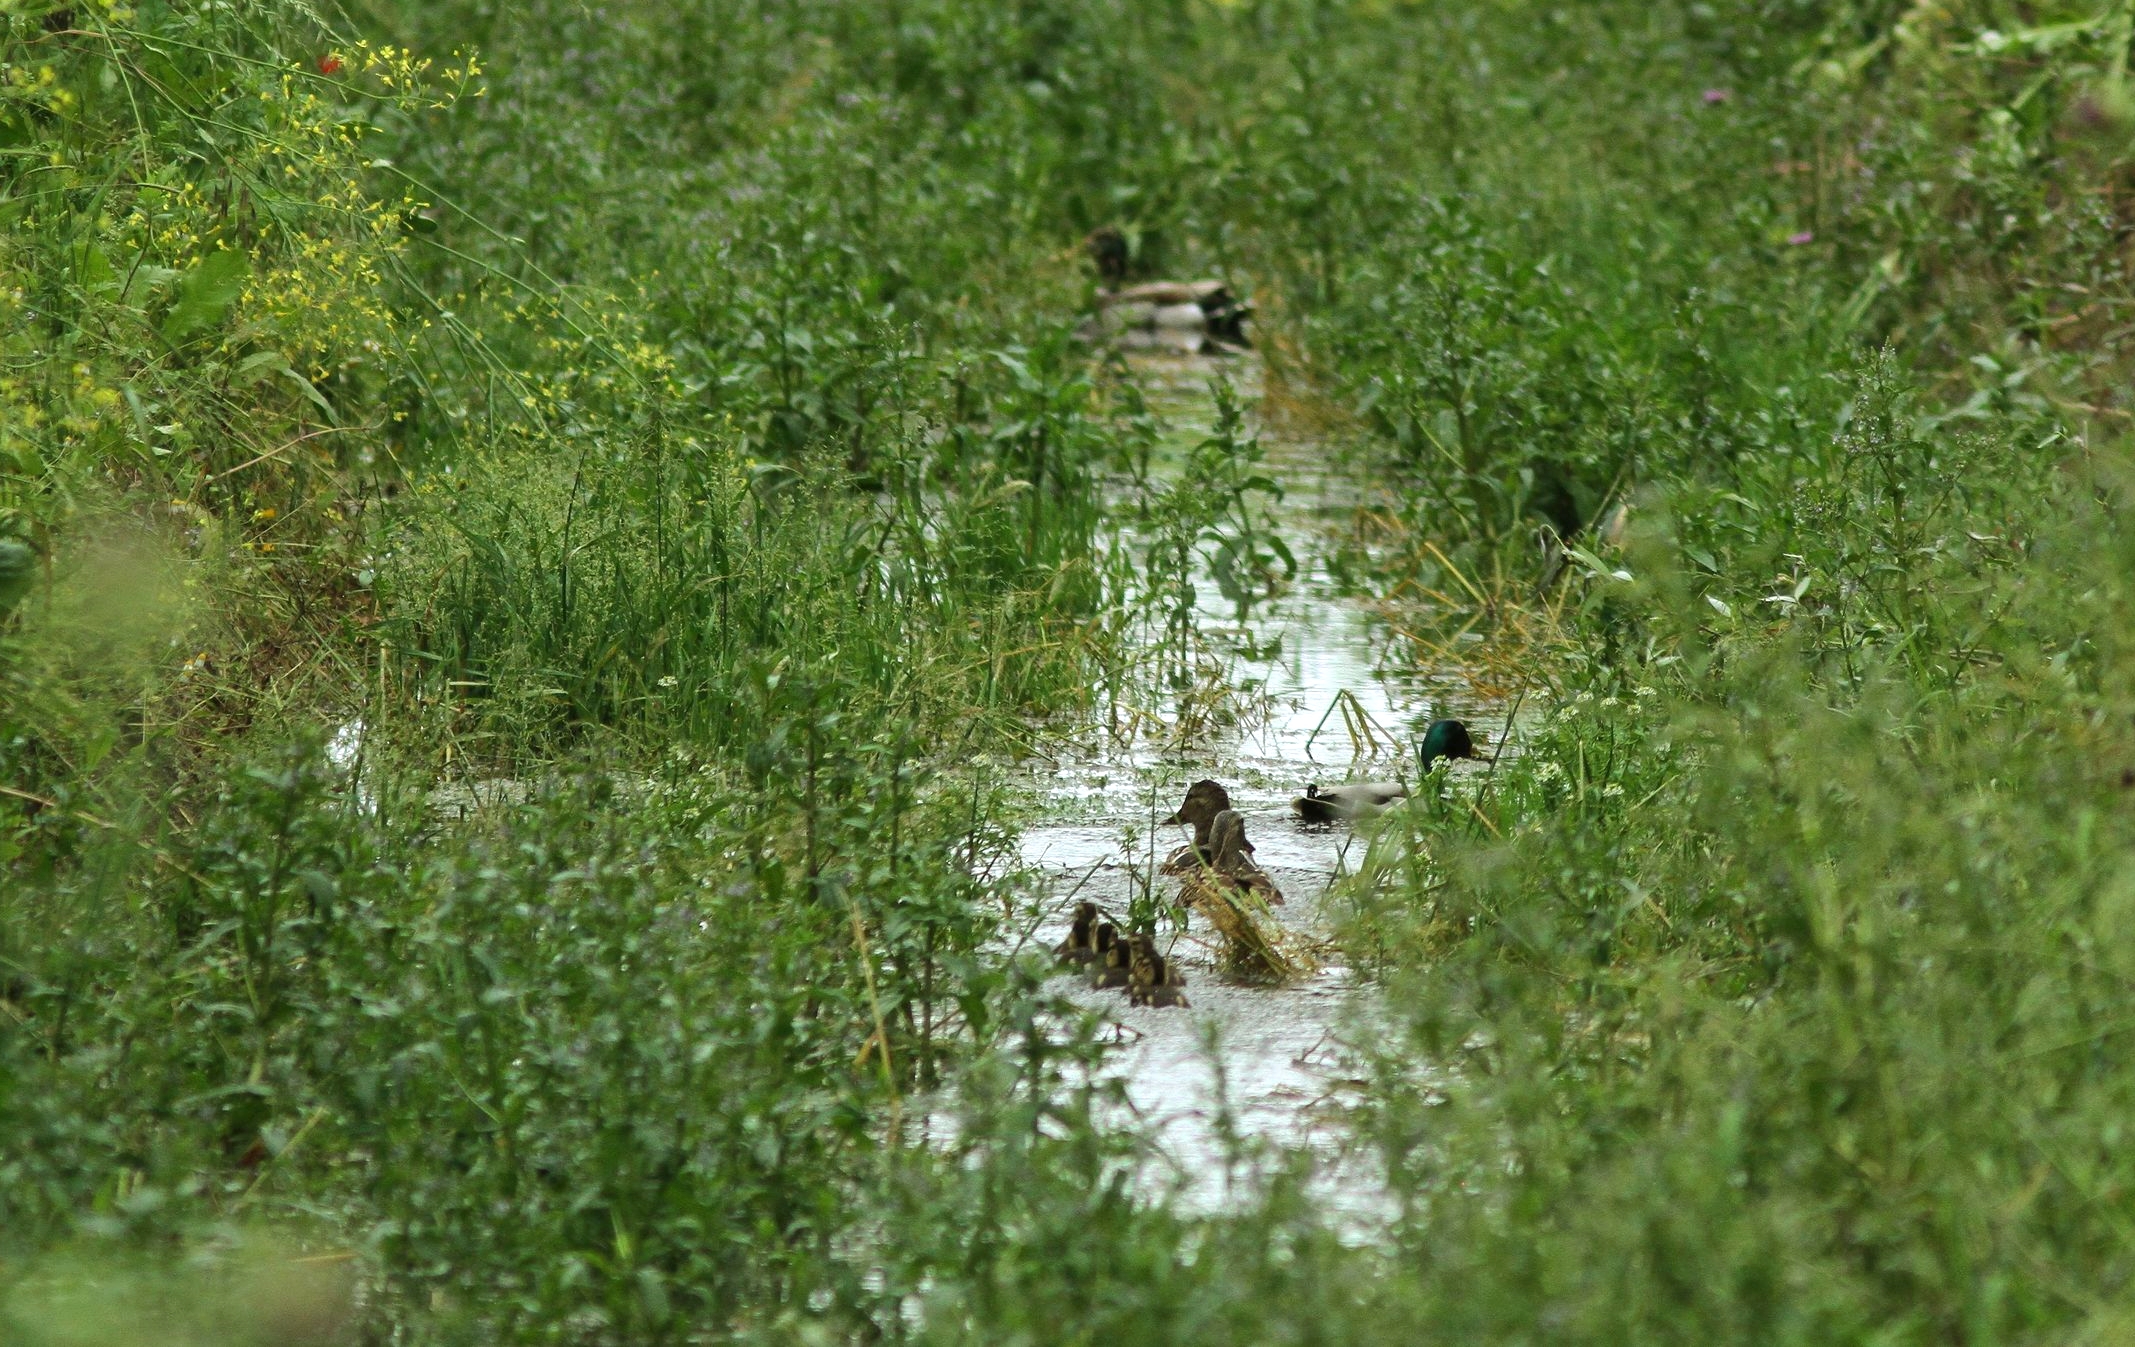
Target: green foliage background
x,y
672,408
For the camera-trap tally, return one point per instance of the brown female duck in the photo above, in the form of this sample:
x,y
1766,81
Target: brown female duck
x,y
1230,869
1204,800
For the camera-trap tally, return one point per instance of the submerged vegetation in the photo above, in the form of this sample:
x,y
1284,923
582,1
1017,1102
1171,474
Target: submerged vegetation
x,y
660,425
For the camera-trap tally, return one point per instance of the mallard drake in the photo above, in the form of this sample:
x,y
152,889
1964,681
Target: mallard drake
x,y
1111,969
1359,799
1151,980
1204,800
1080,947
1189,316
1230,866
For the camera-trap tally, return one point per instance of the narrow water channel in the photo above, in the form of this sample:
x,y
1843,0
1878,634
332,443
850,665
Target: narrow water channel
x,y
1275,1050
1271,1057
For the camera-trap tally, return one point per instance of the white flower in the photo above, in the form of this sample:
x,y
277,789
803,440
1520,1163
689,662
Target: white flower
x,y
1611,791
1549,771
669,681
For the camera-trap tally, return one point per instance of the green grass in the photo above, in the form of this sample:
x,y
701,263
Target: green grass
x,y
672,411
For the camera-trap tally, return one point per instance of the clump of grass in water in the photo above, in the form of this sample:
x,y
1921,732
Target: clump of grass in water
x,y
1255,946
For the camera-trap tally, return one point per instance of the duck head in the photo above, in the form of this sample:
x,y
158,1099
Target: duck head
x,y
1226,838
1204,800
1108,251
1444,739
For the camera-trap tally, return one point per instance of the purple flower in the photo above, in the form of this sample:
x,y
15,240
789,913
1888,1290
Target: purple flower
x,y
1718,95
1805,236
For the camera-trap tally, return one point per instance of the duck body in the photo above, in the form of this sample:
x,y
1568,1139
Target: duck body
x,y
1186,316
1186,860
1351,800
1193,317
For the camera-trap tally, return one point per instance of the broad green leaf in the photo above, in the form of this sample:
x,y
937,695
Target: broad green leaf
x,y
205,296
305,387
260,365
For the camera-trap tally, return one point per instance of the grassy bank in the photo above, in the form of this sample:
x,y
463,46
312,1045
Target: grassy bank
x,y
1781,972
349,457
670,411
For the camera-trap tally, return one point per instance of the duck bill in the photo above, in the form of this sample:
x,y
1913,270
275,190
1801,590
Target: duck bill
x,y
1173,820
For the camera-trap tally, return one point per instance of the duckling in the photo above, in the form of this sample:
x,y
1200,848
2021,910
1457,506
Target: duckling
x,y
1230,867
1360,799
1111,969
1204,800
1080,947
1151,980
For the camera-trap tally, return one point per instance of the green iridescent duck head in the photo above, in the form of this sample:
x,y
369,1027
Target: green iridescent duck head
x,y
1444,739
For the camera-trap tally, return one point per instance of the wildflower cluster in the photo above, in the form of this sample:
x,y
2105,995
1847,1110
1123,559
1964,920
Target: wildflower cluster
x,y
208,309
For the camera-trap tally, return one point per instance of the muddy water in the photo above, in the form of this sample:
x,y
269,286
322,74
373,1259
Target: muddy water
x,y
1269,1057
